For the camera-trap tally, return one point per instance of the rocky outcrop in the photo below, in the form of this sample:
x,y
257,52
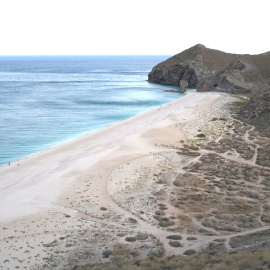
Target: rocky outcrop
x,y
257,113
212,70
183,85
174,75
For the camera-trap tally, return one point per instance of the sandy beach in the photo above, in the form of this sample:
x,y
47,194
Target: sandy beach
x,y
127,187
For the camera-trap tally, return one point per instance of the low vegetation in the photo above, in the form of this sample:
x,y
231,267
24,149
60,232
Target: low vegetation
x,y
219,261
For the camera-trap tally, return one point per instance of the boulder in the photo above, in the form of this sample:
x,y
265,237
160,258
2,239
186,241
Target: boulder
x,y
183,85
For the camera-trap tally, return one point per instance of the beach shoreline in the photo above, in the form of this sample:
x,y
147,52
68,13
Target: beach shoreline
x,y
71,203
84,134
26,164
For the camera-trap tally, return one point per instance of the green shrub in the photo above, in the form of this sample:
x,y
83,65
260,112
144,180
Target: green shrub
x,y
166,223
106,253
189,252
174,237
142,236
190,238
175,244
130,239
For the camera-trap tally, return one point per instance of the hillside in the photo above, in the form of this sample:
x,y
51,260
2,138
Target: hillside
x,y
211,70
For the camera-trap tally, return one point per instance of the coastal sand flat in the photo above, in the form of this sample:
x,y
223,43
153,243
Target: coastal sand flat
x,y
145,175
24,183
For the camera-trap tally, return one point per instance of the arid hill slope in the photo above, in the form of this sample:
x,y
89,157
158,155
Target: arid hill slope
x,y
212,70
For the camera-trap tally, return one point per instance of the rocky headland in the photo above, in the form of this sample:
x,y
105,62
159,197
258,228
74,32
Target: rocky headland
x,y
211,70
206,69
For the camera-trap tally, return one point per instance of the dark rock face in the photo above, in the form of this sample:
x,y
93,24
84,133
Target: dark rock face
x,y
206,84
174,75
231,78
211,70
238,65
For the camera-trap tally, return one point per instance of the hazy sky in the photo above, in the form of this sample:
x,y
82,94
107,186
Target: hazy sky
x,y
132,27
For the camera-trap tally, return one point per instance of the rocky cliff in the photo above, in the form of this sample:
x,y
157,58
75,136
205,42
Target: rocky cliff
x,y
211,70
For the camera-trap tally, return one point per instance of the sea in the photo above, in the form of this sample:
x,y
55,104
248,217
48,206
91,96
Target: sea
x,y
48,100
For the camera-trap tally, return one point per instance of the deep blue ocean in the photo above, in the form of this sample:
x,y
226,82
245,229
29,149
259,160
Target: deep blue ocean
x,y
47,100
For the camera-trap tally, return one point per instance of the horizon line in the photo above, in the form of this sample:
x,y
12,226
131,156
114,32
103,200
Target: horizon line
x,y
3,55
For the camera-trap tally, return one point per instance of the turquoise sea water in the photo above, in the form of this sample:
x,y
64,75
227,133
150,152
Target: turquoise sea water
x,y
46,100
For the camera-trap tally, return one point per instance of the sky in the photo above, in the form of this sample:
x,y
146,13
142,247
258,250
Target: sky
x,y
167,27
